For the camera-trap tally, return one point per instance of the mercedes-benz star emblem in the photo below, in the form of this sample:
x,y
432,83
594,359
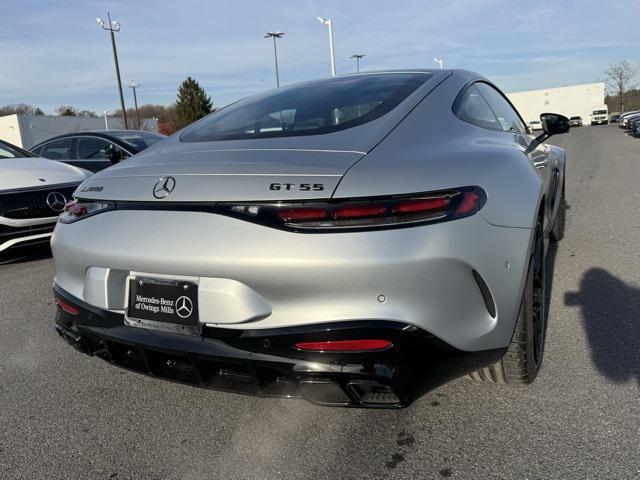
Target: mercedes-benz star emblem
x,y
184,307
164,187
56,201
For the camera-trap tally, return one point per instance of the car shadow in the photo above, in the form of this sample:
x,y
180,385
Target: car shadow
x,y
25,254
610,316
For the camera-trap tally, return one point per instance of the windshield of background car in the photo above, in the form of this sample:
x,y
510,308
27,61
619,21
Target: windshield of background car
x,y
312,108
8,152
138,140
599,112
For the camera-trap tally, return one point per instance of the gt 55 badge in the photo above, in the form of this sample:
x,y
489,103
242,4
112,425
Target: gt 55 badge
x,y
303,187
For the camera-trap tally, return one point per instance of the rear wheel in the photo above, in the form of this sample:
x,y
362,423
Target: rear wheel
x,y
523,358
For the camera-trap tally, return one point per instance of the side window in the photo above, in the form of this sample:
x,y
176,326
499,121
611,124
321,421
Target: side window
x,y
507,116
473,108
92,148
58,149
38,151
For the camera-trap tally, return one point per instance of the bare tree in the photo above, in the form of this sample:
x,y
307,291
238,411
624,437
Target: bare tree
x,y
87,114
621,78
67,111
20,109
166,116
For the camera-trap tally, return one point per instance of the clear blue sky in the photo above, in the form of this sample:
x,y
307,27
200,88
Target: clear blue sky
x,y
53,52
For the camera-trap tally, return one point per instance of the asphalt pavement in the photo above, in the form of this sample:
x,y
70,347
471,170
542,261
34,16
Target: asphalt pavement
x,y
65,415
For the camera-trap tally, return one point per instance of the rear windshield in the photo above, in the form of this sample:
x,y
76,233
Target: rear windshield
x,y
311,108
139,140
574,118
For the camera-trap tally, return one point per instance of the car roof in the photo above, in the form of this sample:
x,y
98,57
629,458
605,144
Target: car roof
x,y
106,134
123,132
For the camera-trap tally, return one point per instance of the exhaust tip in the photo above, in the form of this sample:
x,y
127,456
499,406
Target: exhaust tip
x,y
374,394
72,338
324,392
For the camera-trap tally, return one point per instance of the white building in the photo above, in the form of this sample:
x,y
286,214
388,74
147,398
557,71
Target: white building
x,y
568,101
27,130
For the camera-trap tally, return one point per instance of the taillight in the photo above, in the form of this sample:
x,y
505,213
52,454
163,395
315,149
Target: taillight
x,y
352,346
78,209
366,211
469,204
421,205
361,213
302,214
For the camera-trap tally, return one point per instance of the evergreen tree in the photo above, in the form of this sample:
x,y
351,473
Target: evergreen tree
x,y
192,104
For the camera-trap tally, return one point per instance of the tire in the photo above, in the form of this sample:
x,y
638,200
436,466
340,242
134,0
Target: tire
x,y
523,357
557,233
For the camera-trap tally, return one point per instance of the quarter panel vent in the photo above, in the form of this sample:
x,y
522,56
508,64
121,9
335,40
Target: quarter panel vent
x,y
486,294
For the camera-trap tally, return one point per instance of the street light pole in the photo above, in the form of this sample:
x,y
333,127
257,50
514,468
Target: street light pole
x,y
275,35
328,22
112,28
358,56
439,61
106,123
132,84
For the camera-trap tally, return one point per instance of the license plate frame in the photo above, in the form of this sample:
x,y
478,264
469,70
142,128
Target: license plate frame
x,y
163,304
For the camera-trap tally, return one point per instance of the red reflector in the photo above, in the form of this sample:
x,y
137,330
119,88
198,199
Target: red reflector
x,y
296,214
344,345
422,205
360,212
66,307
469,203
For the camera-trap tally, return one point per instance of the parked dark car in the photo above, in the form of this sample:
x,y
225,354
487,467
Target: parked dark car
x,y
629,119
614,118
95,151
575,121
625,116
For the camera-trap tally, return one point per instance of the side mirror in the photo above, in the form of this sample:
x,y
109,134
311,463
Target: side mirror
x,y
554,124
113,154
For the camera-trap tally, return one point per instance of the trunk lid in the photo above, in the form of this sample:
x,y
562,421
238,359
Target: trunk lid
x,y
206,175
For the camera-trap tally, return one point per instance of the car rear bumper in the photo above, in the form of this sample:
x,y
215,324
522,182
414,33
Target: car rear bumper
x,y
461,281
265,362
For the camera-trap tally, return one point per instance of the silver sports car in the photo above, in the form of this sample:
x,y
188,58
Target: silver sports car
x,y
355,241
33,192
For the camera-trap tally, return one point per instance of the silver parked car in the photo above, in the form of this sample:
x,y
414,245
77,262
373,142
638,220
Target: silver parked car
x,y
355,240
33,192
